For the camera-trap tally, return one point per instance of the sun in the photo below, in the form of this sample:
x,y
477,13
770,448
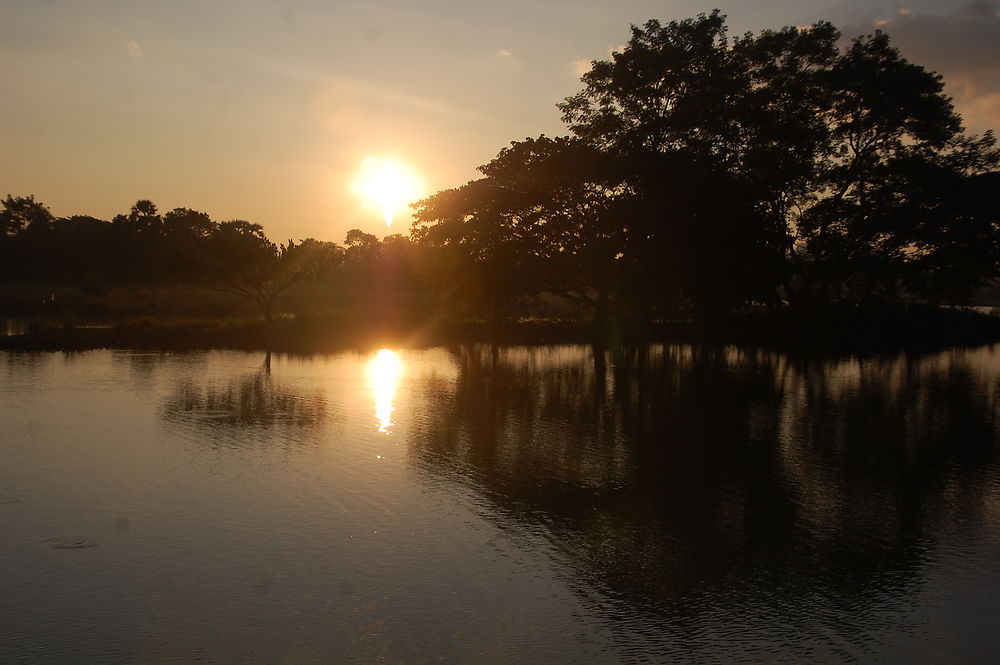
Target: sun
x,y
386,185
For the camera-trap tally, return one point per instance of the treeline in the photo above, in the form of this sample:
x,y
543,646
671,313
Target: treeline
x,y
371,276
704,173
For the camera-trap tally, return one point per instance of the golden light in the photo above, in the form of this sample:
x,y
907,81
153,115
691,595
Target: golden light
x,y
384,371
386,185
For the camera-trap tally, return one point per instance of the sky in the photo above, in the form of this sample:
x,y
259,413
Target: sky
x,y
265,110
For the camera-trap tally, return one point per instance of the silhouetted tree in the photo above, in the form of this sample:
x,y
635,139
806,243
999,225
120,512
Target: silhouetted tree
x,y
137,244
543,218
884,217
25,227
835,159
674,194
725,168
22,212
79,250
184,230
245,263
718,140
361,246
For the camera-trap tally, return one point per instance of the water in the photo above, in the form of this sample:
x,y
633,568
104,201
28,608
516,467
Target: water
x,y
521,505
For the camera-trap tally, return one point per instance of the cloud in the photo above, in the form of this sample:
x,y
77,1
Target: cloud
x,y
414,102
581,66
961,46
504,53
134,51
355,88
346,88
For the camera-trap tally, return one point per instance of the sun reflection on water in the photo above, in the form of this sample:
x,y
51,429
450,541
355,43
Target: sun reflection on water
x,y
384,371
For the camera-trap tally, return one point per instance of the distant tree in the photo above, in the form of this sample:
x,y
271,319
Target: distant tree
x,y
136,244
145,217
243,262
78,249
19,213
361,246
184,230
25,227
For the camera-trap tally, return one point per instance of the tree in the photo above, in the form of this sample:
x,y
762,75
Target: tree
x,y
25,227
245,263
779,146
21,213
518,226
184,230
674,190
136,244
542,219
884,219
78,250
360,246
717,140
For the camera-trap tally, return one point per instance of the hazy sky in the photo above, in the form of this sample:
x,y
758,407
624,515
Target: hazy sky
x,y
264,109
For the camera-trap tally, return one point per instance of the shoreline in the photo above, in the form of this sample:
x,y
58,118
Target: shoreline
x,y
837,330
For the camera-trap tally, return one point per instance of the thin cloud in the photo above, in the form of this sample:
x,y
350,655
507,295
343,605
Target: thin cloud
x,y
580,66
419,103
356,87
134,51
504,53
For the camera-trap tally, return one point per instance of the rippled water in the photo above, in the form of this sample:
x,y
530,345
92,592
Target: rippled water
x,y
499,505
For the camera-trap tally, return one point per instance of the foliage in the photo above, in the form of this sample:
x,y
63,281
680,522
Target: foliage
x,y
245,263
706,173
21,213
703,173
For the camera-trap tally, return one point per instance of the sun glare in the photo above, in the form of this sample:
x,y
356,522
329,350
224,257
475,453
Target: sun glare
x,y
386,185
384,370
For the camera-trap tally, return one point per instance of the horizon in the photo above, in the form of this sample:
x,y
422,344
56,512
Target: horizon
x,y
270,117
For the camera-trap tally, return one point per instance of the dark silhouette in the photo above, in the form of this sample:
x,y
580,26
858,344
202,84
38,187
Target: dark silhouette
x,y
245,263
705,176
709,173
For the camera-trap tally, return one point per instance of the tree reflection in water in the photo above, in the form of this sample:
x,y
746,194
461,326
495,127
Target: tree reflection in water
x,y
234,410
693,481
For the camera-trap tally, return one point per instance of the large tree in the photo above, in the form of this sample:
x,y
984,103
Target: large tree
x,y
889,213
706,172
846,162
688,152
542,218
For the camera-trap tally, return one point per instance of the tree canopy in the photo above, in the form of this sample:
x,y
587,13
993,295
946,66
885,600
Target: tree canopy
x,y
700,173
705,172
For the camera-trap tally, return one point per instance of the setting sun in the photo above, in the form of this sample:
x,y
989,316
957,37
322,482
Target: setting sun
x,y
386,185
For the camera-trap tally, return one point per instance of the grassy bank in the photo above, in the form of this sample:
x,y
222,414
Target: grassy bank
x,y
835,329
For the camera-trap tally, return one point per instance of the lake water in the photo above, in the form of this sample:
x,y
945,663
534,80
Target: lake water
x,y
499,505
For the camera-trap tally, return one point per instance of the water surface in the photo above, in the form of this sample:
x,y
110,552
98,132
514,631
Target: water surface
x,y
500,505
